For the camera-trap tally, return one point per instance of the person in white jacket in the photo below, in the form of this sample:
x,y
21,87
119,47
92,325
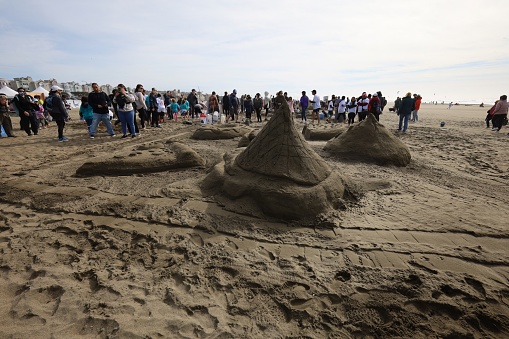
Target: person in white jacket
x,y
141,104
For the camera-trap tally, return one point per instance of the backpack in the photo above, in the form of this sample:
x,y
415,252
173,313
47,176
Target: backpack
x,y
48,104
375,107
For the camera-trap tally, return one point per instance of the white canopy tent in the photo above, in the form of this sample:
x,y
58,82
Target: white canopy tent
x,y
40,90
8,91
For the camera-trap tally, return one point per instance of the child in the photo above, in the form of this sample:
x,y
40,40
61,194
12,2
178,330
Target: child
x,y
86,112
184,109
173,109
39,114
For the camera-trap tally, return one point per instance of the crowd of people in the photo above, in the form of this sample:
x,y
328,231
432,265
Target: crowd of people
x,y
153,109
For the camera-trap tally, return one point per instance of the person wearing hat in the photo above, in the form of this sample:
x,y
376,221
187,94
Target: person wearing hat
x,y
56,108
5,119
375,106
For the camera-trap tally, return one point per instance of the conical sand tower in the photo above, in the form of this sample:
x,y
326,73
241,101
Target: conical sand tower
x,y
278,173
370,141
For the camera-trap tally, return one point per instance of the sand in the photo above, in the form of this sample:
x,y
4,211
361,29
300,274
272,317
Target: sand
x,y
422,253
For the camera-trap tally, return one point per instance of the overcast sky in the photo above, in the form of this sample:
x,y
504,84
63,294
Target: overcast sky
x,y
454,50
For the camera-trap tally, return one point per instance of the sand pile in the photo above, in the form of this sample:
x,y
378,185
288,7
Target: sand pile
x,y
324,134
247,138
279,173
370,141
217,133
147,158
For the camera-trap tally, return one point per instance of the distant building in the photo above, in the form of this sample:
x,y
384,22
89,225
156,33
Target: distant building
x,y
25,82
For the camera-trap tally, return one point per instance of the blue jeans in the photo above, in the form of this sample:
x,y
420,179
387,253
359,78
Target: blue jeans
x,y
415,117
405,118
97,118
126,118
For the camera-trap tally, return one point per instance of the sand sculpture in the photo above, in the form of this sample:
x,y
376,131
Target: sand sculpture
x,y
247,138
370,141
149,158
278,174
229,131
321,134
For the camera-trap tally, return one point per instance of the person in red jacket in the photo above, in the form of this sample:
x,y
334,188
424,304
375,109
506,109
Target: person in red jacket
x,y
417,99
375,106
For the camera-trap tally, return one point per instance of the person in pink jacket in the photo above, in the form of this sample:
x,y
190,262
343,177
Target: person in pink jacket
x,y
500,113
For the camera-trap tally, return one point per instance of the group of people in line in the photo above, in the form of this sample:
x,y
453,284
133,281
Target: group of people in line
x,y
154,108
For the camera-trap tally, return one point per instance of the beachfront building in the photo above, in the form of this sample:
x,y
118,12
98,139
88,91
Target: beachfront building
x,y
24,82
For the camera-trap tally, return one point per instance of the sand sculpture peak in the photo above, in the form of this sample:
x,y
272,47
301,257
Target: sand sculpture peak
x,y
279,150
370,141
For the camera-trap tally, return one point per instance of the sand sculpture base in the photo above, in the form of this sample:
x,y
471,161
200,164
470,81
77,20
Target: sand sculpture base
x,y
230,131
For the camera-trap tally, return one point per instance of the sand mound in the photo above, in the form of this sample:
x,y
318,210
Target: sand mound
x,y
321,134
279,173
370,141
217,133
149,158
247,138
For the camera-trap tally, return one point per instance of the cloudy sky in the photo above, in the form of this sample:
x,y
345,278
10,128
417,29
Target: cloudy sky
x,y
454,50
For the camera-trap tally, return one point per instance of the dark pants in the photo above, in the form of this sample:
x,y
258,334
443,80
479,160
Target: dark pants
x,y
29,123
488,119
497,120
143,116
303,114
60,125
248,114
362,115
191,111
258,114
155,118
6,123
377,116
351,118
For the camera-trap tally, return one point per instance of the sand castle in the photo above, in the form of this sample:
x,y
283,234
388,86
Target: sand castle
x,y
229,131
278,173
370,141
148,158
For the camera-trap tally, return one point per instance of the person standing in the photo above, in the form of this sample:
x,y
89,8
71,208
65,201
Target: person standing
x,y
248,107
397,103
362,106
316,107
5,119
489,116
226,105
375,106
193,100
258,105
99,102
56,108
213,103
341,115
153,107
415,116
24,103
304,103
405,110
500,113
141,105
125,111
234,107
351,106
86,112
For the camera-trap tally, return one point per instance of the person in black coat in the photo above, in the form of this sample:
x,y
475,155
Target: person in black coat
x,y
26,107
405,110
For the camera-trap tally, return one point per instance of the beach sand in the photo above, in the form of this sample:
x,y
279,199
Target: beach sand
x,y
422,254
